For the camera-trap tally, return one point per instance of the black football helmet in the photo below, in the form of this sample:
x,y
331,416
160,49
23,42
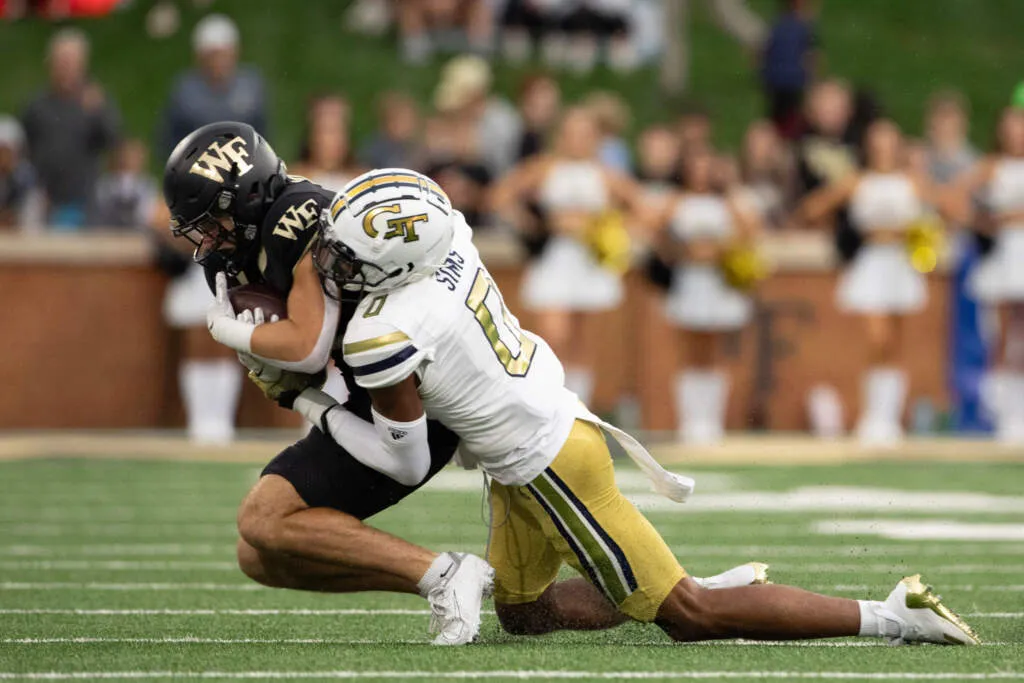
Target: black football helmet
x,y
222,170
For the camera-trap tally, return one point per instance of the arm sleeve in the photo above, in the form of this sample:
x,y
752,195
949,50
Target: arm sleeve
x,y
397,450
381,355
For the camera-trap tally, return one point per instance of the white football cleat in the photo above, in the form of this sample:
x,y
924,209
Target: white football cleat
x,y
749,574
923,618
455,602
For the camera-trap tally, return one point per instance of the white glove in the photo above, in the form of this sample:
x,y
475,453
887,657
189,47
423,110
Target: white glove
x,y
222,323
260,368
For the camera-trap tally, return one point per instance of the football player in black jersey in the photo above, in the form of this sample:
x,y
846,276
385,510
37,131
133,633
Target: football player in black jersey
x,y
301,525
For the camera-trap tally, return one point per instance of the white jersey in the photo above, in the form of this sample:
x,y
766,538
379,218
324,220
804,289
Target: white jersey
x,y
500,388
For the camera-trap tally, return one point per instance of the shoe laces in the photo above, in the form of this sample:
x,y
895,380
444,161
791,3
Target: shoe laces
x,y
444,608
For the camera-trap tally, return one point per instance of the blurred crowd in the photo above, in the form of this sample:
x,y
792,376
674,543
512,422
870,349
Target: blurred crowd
x,y
575,35
585,191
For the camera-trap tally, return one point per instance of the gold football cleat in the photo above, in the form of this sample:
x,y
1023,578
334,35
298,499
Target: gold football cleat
x,y
925,619
760,573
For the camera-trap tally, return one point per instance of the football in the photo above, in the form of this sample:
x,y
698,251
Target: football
x,y
251,297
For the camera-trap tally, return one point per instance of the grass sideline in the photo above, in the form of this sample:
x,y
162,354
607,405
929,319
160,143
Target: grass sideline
x,y
125,570
904,50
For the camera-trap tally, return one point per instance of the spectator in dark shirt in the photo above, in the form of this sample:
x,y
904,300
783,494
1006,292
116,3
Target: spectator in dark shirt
x,y
658,153
20,199
218,89
125,196
825,153
396,143
466,185
787,65
540,102
325,155
68,127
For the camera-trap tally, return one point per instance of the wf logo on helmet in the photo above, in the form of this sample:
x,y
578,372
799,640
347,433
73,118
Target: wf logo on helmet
x,y
218,157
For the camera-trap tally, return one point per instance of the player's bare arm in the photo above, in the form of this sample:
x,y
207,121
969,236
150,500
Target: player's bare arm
x,y
312,318
301,342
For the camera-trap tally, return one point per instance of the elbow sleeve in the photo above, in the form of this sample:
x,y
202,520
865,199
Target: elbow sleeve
x,y
398,450
407,443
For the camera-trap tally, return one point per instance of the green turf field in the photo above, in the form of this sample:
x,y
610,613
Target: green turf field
x,y
125,570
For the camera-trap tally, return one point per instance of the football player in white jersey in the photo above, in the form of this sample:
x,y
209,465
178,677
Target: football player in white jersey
x,y
432,336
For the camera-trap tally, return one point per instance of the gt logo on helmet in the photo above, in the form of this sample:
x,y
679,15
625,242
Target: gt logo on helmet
x,y
221,157
403,226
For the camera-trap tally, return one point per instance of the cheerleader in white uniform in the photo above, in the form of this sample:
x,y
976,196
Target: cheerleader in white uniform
x,y
700,225
881,285
566,285
209,376
998,181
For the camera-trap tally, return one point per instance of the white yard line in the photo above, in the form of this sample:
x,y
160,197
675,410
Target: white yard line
x,y
118,549
520,675
206,586
67,585
116,565
308,612
922,529
871,549
966,587
231,566
895,567
194,640
222,612
120,529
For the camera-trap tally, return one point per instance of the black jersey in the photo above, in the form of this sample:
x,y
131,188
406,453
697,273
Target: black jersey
x,y
285,235
321,471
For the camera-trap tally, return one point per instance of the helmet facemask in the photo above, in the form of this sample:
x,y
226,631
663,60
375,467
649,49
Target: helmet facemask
x,y
337,263
210,236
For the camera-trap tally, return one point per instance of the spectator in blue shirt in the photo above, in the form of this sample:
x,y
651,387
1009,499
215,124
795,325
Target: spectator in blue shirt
x,y
788,65
218,89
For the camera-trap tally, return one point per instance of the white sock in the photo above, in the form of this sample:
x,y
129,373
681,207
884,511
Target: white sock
x,y
580,382
730,578
685,396
1003,395
883,391
438,570
700,402
873,623
210,390
893,394
717,391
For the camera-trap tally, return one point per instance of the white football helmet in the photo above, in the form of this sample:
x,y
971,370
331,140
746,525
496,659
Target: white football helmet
x,y
386,228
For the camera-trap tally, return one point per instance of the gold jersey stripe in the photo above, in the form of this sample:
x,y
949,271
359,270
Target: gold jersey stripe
x,y
375,343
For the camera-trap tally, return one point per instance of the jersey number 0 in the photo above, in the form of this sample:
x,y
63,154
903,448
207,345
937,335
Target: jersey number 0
x,y
513,349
